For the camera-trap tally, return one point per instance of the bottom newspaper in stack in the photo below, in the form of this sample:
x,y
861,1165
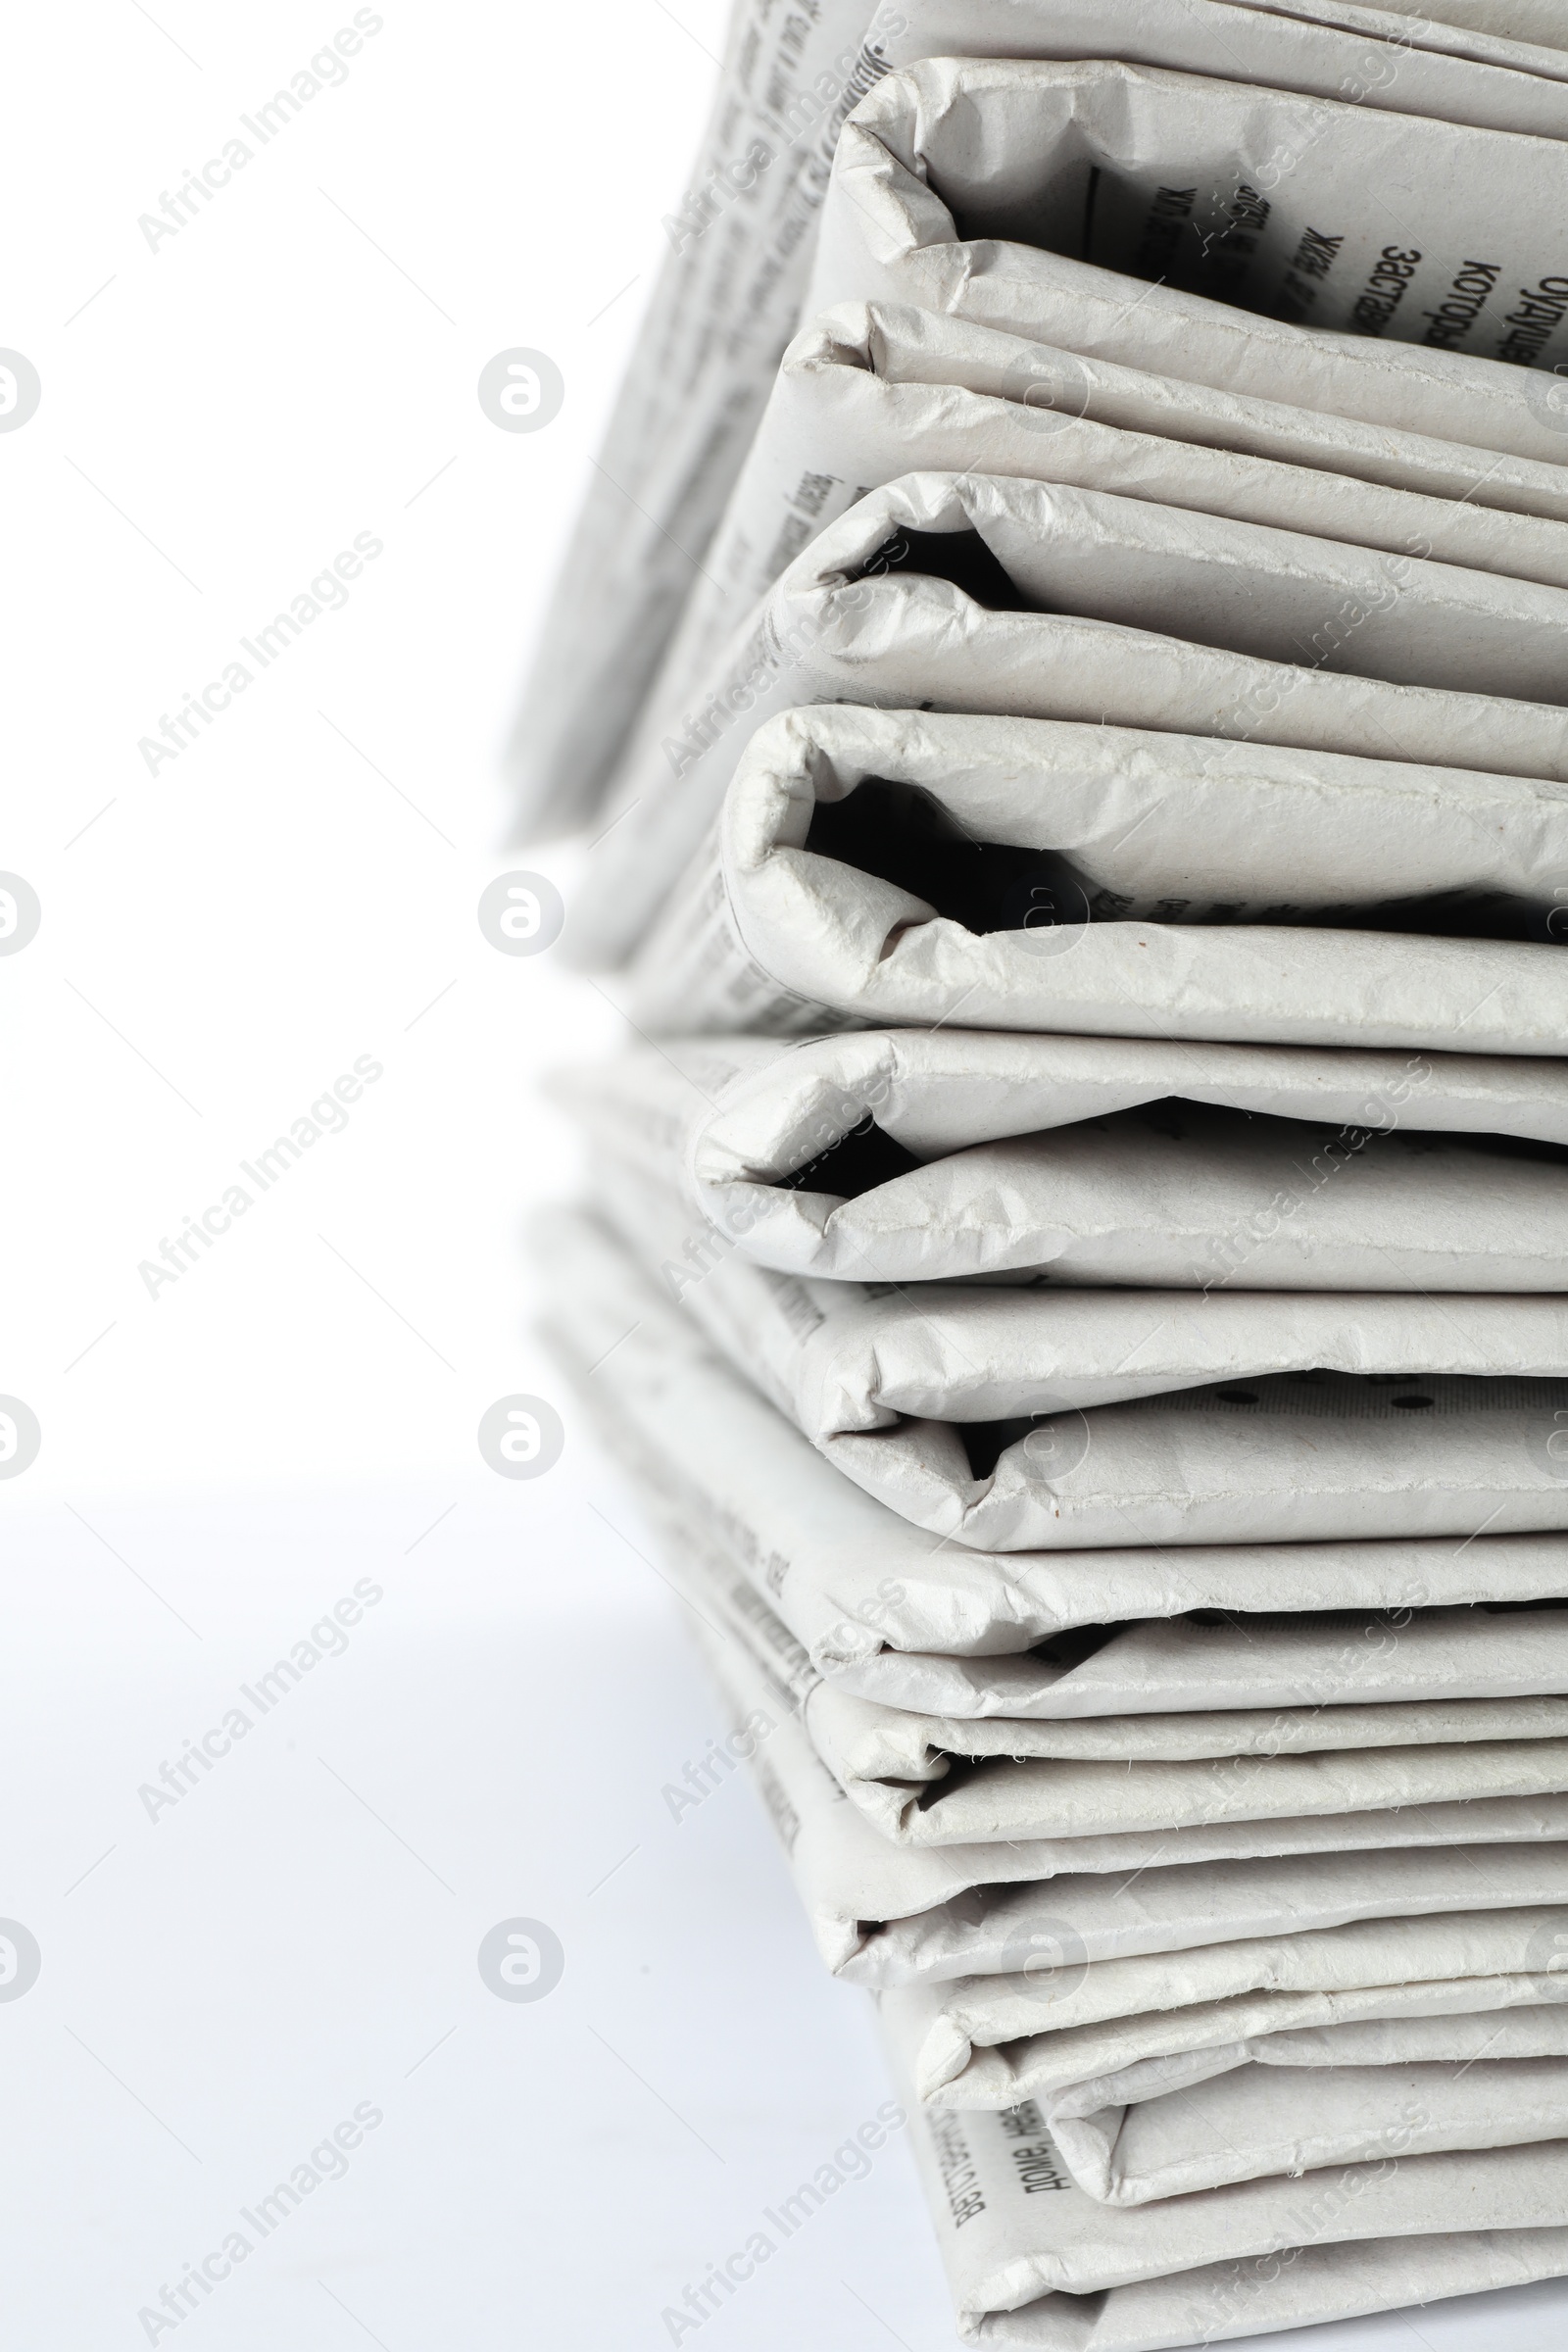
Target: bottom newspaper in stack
x,y
1215,1899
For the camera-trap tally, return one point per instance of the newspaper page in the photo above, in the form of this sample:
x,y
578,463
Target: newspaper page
x,y
1113,921
885,1915
871,391
1024,2246
798,1158
1255,2121
964,186
986,2042
891,1764
1155,1416
994,595
899,1615
1066,1922
740,238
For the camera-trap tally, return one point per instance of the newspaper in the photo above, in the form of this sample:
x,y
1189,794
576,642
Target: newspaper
x,y
885,1915
922,1782
1355,2238
1253,2122
871,391
1458,2038
1074,1919
961,182
728,297
917,1155
1062,1797
1158,1772
925,594
987,2041
1298,2288
894,1614
1190,895
1027,1419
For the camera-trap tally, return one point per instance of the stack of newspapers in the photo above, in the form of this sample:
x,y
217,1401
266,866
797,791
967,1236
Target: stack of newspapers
x,y
1064,669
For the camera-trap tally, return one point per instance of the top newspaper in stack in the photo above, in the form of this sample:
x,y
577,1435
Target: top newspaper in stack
x,y
729,295
889,233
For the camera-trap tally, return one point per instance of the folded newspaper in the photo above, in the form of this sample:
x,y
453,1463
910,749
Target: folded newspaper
x,y
876,866
729,295
1025,2248
1255,2121
1033,2261
994,595
871,391
990,2040
925,1781
961,184
1057,1782
921,1156
1017,1419
885,1915
898,1615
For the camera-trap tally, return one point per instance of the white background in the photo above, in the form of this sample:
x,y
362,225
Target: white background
x,y
225,1983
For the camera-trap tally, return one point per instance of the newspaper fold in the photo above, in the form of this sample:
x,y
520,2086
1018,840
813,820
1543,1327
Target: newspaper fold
x,y
1084,1160
1255,2122
986,2042
885,1916
1037,1781
876,866
923,1782
1025,2248
871,391
959,184
893,1614
728,297
1030,1420
993,595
